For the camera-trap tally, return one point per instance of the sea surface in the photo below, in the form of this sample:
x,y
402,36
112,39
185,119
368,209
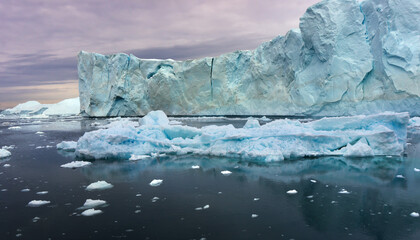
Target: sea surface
x,y
337,197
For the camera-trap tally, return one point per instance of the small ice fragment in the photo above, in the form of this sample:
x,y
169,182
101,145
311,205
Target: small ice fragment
x,y
291,192
399,176
39,133
254,215
14,128
137,211
99,185
219,193
195,167
265,119
313,181
76,164
40,147
42,192
206,207
154,199
155,182
226,172
198,209
389,156
138,157
90,203
343,191
416,170
25,190
37,203
69,146
310,196
332,202
158,155
256,199
91,212
35,219
6,165
4,153
414,214
138,195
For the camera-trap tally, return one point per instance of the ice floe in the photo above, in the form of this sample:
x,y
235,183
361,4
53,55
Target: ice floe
x,y
76,164
226,172
343,191
42,192
90,203
291,192
138,157
99,185
67,146
254,215
38,203
4,153
355,136
6,165
414,214
91,212
195,167
156,182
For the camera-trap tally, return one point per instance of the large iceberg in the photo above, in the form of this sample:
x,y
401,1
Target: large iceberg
x,y
348,57
356,136
66,107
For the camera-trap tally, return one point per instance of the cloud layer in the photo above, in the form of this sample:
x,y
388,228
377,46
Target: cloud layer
x,y
40,38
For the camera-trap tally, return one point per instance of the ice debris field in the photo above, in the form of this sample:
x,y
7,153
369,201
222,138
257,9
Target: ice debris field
x,y
356,136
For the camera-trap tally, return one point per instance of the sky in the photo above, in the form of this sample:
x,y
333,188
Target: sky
x,y
40,39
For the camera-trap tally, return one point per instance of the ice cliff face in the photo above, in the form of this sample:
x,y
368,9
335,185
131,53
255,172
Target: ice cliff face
x,y
347,57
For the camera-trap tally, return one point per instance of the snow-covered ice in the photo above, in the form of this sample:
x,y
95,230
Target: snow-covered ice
x,y
37,110
67,146
343,191
99,185
76,164
6,165
91,212
195,167
90,203
355,136
156,182
4,153
38,203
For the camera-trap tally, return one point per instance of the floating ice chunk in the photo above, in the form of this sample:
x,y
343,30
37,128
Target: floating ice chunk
x,y
400,176
154,199
252,123
4,153
38,203
138,157
137,211
202,208
361,136
138,195
6,165
30,106
69,106
156,155
40,147
76,164
99,185
416,170
156,182
67,146
254,215
198,209
39,133
343,191
256,199
8,147
91,212
206,207
291,192
35,219
265,119
414,214
42,193
155,118
195,167
226,172
25,190
14,128
90,203
313,181
310,196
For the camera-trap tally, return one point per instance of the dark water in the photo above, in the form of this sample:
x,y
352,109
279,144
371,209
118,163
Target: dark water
x,y
378,206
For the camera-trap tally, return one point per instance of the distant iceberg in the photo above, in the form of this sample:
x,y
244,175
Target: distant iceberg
x,y
35,109
357,136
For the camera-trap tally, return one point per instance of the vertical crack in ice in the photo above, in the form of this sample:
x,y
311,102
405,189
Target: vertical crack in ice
x,y
211,77
364,23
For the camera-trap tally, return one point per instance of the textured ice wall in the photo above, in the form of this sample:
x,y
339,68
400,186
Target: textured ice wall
x,y
347,57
